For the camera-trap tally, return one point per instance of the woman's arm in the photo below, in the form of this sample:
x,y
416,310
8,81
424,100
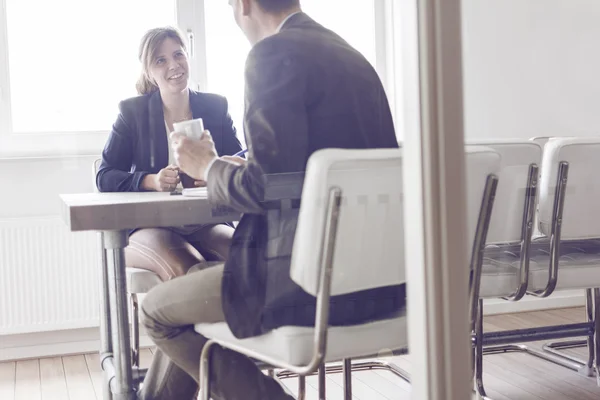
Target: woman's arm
x,y
117,159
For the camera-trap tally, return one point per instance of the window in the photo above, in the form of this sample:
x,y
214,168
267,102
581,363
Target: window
x,y
73,61
65,67
225,57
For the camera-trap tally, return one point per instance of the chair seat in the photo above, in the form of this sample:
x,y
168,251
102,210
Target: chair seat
x,y
498,278
579,268
295,345
141,280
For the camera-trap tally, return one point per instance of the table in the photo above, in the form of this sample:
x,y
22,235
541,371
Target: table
x,y
114,215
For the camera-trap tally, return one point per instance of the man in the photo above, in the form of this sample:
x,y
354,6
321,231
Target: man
x,y
306,89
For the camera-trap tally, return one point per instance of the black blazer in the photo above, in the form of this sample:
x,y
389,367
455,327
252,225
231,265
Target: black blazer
x,y
306,89
138,143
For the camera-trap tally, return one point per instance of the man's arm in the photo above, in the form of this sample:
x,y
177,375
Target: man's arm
x,y
276,128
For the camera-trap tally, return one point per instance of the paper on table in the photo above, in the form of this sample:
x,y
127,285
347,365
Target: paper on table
x,y
195,192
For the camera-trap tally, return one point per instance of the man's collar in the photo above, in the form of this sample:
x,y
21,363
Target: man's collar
x,y
286,19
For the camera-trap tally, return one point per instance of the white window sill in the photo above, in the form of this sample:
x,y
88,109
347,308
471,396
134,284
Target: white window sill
x,y
51,145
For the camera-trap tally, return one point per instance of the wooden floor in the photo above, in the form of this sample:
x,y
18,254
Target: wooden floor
x,y
507,376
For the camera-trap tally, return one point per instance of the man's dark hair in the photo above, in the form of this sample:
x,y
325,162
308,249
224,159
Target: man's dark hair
x,y
277,6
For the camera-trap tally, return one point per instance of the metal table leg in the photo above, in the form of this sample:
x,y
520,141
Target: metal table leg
x,y
106,347
121,383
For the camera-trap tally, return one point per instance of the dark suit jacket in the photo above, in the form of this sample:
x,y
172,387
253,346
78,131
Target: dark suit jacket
x,y
138,143
306,89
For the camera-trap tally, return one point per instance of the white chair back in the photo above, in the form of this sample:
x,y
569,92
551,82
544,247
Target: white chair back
x,y
513,177
581,213
369,246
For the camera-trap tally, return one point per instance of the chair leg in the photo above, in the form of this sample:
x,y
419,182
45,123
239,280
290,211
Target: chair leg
x,y
322,382
479,351
597,332
586,368
347,379
135,329
301,387
205,359
590,300
357,366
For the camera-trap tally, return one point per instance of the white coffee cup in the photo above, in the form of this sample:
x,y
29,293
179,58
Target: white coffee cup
x,y
192,128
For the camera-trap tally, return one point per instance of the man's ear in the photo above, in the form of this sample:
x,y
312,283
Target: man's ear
x,y
246,7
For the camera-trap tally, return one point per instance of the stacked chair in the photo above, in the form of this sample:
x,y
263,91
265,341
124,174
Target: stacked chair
x,y
564,255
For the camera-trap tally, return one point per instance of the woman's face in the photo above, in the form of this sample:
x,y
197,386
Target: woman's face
x,y
170,68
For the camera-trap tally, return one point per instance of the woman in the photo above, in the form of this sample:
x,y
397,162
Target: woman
x,y
138,155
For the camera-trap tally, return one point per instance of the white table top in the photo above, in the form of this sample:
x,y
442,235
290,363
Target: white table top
x,y
124,211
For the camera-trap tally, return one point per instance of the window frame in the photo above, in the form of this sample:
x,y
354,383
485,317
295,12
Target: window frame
x,y
190,15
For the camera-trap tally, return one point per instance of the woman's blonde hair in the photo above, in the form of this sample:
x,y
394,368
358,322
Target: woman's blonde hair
x,y
149,46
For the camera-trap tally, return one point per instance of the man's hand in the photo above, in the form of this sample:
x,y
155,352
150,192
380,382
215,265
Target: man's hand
x,y
193,156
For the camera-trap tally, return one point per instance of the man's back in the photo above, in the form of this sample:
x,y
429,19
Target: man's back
x,y
309,82
306,89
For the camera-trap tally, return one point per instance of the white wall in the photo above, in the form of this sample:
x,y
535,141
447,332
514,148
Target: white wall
x,y
532,68
30,187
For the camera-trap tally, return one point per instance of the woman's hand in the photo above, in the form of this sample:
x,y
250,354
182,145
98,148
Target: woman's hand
x,y
166,180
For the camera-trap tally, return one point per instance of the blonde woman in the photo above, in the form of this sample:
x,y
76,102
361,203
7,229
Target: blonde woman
x,y
138,156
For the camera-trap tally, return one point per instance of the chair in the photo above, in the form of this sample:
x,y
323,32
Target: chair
x,y
505,265
139,281
347,193
567,256
504,273
569,176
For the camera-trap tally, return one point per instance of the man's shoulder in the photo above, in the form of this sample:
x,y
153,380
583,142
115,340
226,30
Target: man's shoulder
x,y
275,46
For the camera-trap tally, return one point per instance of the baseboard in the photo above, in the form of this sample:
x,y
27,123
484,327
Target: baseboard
x,y
53,344
559,299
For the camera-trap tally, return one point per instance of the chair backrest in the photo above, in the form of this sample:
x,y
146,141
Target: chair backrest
x,y
369,246
516,158
480,162
95,167
581,213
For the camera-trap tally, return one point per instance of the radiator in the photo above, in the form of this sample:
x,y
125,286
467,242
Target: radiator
x,y
49,277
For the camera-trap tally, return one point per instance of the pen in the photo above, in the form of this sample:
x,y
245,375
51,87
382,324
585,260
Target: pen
x,y
240,153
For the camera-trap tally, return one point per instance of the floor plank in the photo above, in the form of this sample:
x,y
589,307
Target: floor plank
x,y
541,374
92,362
79,381
52,376
311,392
391,390
27,380
8,373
